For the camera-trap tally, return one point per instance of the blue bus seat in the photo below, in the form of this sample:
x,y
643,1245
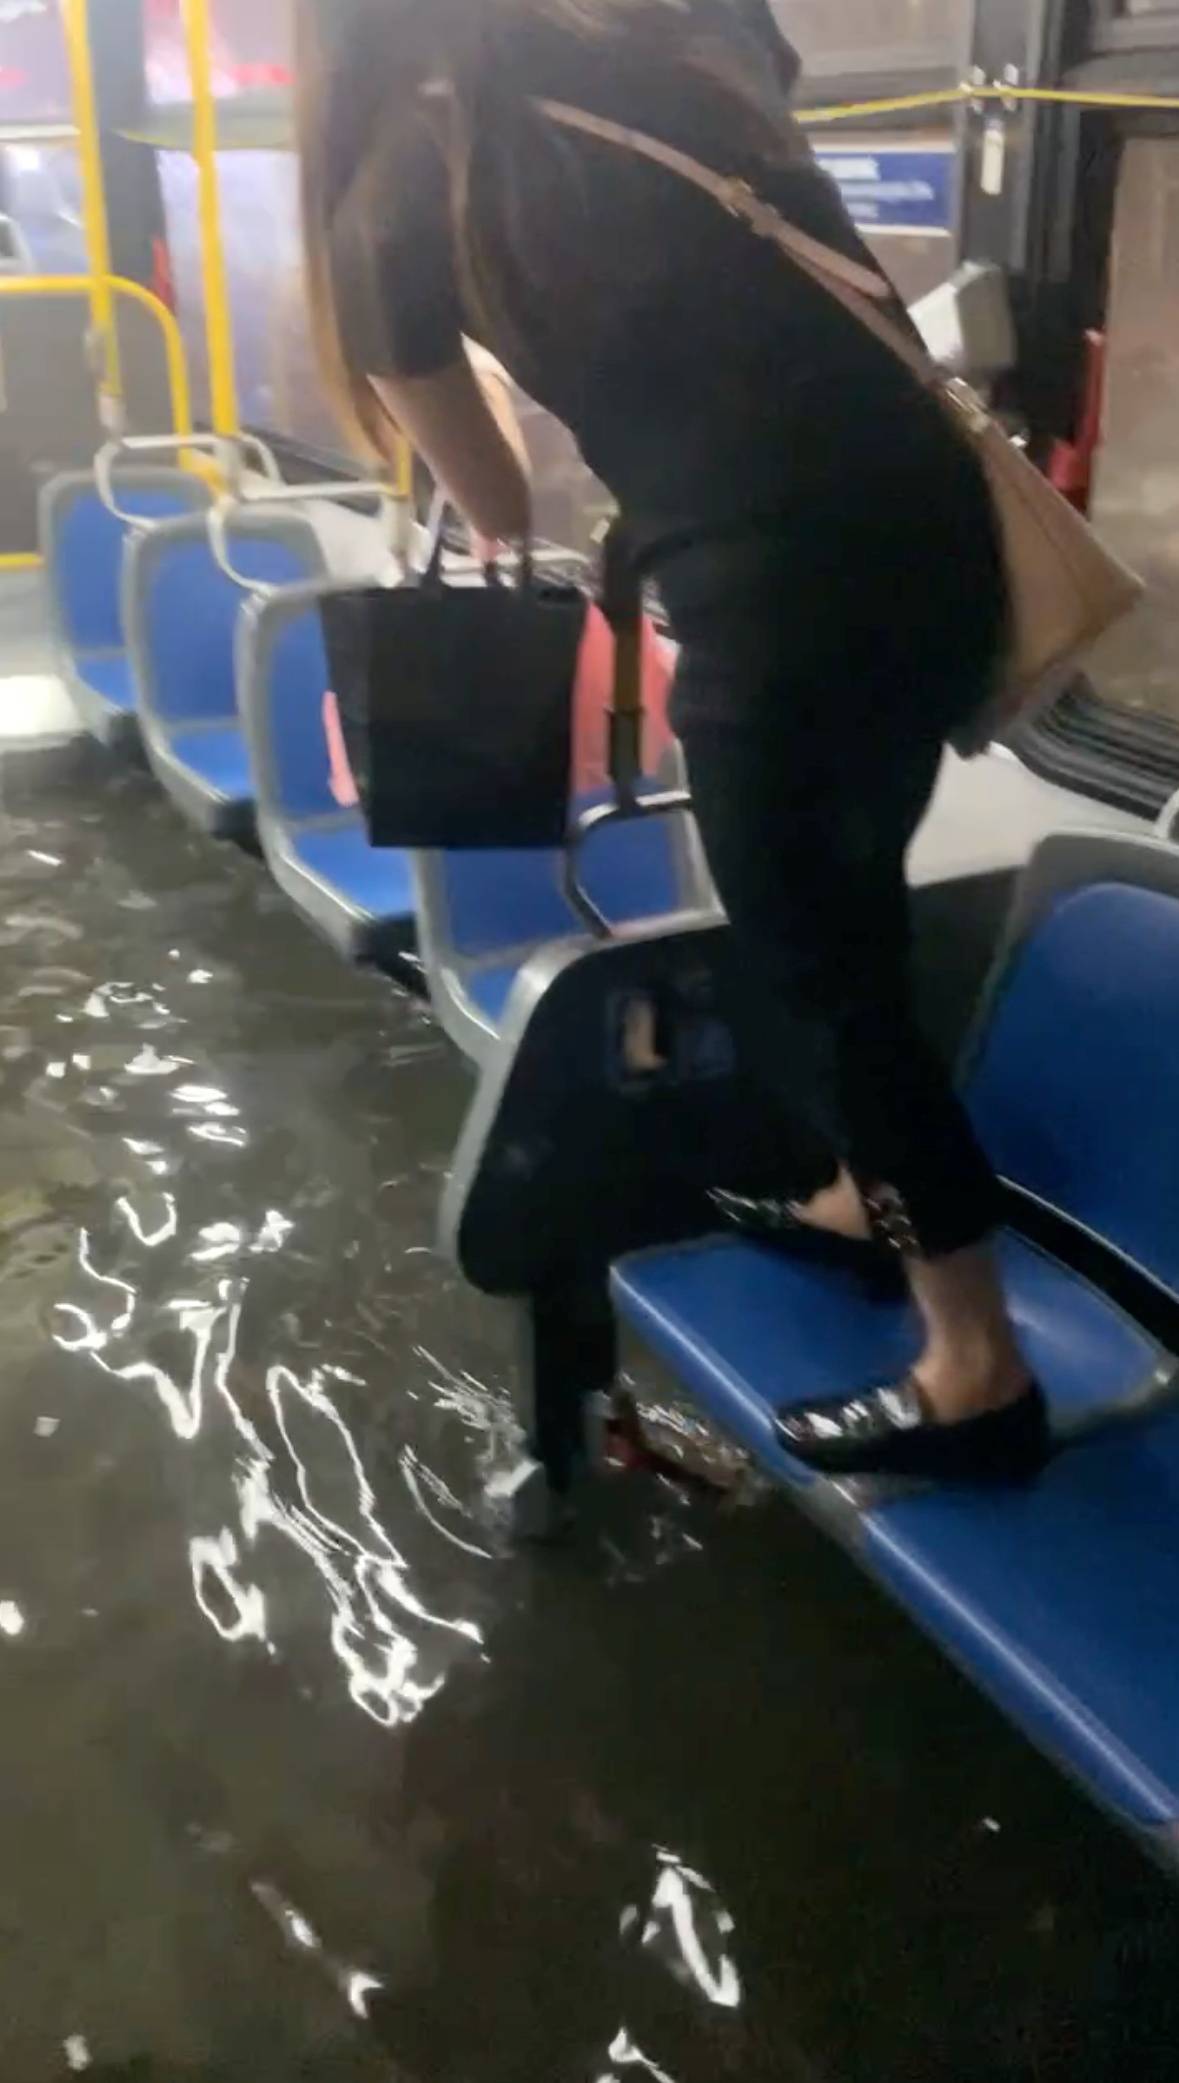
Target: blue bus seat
x,y
82,544
1074,1082
358,895
484,916
1062,1603
746,1329
181,613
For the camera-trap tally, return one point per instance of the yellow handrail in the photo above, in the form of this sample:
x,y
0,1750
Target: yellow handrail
x,y
886,105
75,26
113,287
218,309
989,90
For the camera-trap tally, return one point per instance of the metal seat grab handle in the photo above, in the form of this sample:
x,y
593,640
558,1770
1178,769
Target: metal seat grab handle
x,y
243,500
227,451
621,602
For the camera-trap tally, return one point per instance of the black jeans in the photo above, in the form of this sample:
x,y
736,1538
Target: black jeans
x,y
813,742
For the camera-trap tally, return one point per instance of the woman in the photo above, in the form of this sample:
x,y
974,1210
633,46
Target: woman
x,y
820,534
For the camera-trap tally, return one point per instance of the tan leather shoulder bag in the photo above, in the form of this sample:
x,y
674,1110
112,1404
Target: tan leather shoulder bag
x,y
1065,589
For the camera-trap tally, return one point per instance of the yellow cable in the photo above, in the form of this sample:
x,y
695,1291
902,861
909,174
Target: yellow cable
x,y
951,97
1067,97
893,104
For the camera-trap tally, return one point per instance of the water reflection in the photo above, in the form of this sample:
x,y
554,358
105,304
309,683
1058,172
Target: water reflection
x,y
355,1984
308,1774
625,2055
304,1481
236,1611
688,1928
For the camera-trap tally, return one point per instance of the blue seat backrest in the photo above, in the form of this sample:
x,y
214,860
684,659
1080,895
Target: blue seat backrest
x,y
511,898
87,559
1076,1089
296,681
190,616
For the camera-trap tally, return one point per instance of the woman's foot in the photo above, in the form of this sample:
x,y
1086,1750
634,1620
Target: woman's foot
x,y
780,1223
895,1431
837,1209
971,1366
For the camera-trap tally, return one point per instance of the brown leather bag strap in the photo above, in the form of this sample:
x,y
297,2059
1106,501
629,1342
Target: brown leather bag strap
x,y
857,288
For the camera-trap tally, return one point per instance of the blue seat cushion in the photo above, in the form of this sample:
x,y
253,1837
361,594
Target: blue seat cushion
x,y
1075,1093
373,880
490,990
502,898
216,759
1062,1602
748,1329
109,674
85,555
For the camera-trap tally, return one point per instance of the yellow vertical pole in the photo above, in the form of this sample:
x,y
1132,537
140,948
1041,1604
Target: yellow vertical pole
x,y
403,469
76,29
218,311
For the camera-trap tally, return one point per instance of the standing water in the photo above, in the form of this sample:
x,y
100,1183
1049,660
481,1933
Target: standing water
x,y
308,1775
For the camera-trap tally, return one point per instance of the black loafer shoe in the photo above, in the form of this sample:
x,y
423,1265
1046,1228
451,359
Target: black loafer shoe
x,y
889,1432
774,1222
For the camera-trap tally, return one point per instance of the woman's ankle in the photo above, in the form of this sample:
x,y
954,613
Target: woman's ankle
x,y
838,1209
971,1362
968,1380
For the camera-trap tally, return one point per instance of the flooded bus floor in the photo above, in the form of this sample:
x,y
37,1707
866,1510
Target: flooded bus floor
x,y
305,1773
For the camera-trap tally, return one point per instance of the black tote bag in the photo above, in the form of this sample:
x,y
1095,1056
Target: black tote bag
x,y
456,704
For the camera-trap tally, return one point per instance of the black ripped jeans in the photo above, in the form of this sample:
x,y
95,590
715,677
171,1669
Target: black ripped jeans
x,y
814,717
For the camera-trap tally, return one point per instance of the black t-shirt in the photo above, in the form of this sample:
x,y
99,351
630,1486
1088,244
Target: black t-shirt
x,y
716,391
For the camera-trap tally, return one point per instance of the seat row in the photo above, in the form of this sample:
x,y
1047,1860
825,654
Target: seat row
x,y
1060,1602
220,675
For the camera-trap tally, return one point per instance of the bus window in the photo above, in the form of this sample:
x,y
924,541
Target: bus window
x,y
41,188
1136,494
252,49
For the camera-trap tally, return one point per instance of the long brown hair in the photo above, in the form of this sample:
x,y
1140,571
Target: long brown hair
x,y
362,67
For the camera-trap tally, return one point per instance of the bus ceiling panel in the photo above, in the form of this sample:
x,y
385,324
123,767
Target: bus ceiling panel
x,y
1135,27
820,91
928,66
860,50
845,76
1154,71
870,36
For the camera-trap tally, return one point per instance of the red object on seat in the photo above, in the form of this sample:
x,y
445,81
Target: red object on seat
x,y
591,707
163,281
1070,466
594,694
342,782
